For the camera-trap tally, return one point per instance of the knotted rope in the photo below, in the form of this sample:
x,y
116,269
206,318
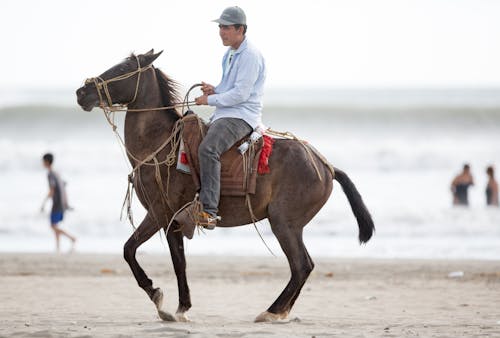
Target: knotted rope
x,y
174,139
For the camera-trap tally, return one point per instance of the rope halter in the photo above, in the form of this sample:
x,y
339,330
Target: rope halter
x,y
102,85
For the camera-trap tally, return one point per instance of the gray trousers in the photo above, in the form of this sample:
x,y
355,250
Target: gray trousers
x,y
222,134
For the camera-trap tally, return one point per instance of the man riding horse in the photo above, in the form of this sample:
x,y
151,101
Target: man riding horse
x,y
238,102
288,197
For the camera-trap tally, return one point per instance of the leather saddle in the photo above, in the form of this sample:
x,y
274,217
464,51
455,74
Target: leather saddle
x,y
238,172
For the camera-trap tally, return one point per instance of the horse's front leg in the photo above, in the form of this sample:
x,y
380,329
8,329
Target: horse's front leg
x,y
176,245
144,232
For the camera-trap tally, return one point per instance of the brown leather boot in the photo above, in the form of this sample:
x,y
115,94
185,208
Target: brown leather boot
x,y
207,221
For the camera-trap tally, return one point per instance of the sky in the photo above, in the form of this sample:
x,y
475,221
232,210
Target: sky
x,y
338,44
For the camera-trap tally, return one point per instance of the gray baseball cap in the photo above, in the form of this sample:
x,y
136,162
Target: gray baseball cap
x,y
232,16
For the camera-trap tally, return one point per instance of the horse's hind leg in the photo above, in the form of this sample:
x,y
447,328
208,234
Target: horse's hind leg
x,y
301,265
144,232
176,245
311,263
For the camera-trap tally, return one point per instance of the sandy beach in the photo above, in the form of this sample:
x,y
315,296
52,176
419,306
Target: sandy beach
x,y
85,295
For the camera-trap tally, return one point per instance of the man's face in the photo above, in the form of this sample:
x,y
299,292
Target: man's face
x,y
230,35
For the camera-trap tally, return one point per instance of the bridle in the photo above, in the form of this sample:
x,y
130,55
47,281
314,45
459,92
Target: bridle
x,y
174,140
101,86
106,102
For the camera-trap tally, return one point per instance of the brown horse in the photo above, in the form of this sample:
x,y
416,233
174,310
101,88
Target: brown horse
x,y
289,197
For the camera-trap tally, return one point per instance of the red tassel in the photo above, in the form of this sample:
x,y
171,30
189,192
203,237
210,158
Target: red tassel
x,y
267,149
184,158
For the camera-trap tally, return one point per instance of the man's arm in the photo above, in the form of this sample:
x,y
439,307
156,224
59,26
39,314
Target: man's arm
x,y
453,184
248,73
49,196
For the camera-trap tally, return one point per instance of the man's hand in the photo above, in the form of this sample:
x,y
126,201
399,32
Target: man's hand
x,y
207,89
202,100
43,204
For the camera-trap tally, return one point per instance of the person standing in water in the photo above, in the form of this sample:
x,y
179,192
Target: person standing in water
x,y
491,188
57,193
460,186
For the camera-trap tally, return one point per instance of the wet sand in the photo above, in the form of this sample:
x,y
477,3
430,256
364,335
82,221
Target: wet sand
x,y
84,295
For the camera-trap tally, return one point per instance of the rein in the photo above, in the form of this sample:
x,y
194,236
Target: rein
x,y
174,139
108,107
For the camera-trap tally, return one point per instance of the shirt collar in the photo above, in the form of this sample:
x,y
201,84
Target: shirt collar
x,y
242,47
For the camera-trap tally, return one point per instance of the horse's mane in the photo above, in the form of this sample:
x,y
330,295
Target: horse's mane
x,y
169,88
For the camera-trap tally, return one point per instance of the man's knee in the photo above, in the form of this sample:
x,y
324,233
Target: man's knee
x,y
207,150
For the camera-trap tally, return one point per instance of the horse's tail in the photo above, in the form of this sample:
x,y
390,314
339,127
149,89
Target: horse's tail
x,y
365,221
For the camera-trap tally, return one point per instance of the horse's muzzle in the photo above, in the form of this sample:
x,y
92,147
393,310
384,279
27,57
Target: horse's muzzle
x,y
86,99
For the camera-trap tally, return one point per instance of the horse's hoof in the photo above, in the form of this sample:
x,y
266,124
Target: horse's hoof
x,y
165,316
267,316
182,317
158,299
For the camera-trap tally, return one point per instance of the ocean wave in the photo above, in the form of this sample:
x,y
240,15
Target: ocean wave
x,y
276,114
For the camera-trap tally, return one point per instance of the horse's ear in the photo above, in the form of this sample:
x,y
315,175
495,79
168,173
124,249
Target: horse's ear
x,y
150,52
148,58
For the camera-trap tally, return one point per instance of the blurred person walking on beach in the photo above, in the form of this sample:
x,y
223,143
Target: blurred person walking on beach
x,y
57,193
460,186
238,108
491,187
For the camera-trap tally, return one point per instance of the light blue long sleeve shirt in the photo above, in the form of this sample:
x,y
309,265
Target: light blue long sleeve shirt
x,y
240,92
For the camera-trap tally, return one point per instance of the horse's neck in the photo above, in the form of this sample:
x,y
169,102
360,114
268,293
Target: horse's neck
x,y
145,131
